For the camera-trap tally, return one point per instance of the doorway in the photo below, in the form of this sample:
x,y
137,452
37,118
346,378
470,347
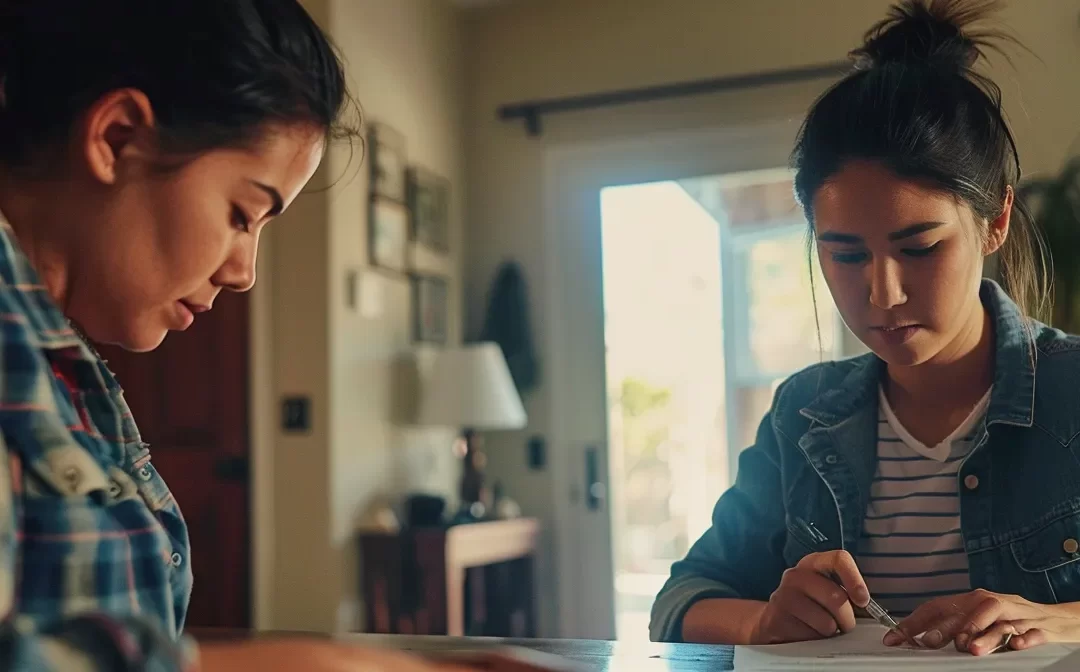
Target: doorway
x,y
708,305
679,298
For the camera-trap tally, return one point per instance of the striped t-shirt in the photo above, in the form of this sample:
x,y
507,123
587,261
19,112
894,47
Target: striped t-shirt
x,y
911,549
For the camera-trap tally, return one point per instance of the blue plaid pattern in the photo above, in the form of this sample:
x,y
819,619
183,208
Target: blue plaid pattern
x,y
94,566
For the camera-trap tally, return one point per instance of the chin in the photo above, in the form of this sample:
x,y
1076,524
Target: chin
x,y
912,353
900,356
906,354
144,342
140,340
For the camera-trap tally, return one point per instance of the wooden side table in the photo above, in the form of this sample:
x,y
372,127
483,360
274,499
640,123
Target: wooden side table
x,y
474,579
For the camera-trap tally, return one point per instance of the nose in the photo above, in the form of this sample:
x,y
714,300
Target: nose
x,y
886,283
237,274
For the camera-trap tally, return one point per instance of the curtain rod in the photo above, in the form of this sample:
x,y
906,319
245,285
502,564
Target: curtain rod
x,y
531,112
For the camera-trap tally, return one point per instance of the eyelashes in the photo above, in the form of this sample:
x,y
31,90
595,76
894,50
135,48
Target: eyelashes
x,y
861,257
921,251
240,220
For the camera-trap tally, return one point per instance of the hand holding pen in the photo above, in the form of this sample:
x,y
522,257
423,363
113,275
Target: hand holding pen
x,y
816,598
812,537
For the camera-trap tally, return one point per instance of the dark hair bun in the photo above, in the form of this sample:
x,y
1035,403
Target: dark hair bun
x,y
931,33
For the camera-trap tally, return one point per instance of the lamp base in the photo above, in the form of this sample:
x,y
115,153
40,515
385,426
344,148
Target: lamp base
x,y
474,495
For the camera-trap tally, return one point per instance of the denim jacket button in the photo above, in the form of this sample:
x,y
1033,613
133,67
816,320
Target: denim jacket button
x,y
1071,546
971,481
830,459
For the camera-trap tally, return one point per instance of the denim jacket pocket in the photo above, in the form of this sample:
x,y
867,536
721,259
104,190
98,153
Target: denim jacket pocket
x,y
1050,561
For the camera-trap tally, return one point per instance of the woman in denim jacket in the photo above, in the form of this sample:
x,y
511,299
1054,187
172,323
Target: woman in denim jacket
x,y
941,472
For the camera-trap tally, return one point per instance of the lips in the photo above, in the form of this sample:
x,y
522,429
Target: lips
x,y
897,334
195,308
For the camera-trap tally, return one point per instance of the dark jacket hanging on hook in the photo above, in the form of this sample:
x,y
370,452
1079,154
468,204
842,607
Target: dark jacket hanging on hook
x,y
507,323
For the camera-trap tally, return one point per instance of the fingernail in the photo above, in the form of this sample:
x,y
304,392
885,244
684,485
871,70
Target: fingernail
x,y
932,638
863,596
892,639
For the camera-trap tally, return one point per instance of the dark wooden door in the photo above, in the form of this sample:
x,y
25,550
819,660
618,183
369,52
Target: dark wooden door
x,y
190,400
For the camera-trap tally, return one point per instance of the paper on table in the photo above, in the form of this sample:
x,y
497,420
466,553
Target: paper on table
x,y
861,648
1069,663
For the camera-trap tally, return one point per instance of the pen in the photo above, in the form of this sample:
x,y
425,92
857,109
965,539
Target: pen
x,y
814,538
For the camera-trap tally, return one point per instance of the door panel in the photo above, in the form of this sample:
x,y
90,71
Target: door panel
x,y
190,400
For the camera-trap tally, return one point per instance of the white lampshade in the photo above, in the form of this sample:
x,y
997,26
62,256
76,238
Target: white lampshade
x,y
470,387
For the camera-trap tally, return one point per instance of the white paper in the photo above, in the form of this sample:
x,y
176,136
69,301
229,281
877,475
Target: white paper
x,y
1067,664
862,649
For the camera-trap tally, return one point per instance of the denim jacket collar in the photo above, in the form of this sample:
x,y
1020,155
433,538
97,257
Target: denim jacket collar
x,y
1012,400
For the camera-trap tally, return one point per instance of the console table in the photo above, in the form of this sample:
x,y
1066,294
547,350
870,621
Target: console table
x,y
472,579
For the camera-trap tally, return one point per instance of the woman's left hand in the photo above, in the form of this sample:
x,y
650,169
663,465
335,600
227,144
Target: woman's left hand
x,y
978,622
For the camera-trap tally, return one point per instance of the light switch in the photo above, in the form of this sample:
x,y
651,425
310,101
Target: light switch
x,y
296,414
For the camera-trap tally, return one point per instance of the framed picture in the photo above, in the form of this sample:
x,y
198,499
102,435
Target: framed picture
x,y
431,308
429,205
387,160
388,235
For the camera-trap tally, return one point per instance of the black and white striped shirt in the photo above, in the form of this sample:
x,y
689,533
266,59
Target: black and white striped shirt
x,y
912,550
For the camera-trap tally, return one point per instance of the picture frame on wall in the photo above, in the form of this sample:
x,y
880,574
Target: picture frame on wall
x,y
428,197
388,235
387,159
431,309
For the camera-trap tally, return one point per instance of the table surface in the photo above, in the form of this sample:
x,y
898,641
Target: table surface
x,y
594,656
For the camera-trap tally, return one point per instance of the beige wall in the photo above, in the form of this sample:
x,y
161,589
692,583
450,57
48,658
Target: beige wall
x,y
563,47
404,66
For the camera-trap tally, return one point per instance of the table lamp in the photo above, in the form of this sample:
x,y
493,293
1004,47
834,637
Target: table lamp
x,y
470,387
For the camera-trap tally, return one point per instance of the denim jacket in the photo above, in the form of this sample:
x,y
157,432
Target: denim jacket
x,y
814,457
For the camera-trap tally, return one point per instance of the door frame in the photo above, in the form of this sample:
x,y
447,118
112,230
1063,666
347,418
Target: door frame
x,y
573,175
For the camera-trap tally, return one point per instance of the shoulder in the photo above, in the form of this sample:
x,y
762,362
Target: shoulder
x,y
1057,357
1054,343
1057,381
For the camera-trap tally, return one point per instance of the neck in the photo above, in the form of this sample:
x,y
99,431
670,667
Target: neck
x,y
33,209
959,375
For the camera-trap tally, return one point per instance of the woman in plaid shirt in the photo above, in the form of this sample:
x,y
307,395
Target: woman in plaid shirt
x,y
144,145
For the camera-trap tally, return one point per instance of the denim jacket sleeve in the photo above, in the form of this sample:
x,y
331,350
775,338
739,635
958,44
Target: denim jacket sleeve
x,y
737,556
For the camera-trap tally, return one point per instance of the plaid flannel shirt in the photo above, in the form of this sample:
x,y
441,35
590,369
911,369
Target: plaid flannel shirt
x,y
94,566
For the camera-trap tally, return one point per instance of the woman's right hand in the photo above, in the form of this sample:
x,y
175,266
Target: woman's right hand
x,y
810,602
310,655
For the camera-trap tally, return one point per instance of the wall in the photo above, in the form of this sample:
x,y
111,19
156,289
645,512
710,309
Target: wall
x,y
564,47
404,67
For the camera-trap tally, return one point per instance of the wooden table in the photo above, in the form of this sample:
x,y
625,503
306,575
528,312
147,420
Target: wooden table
x,y
595,656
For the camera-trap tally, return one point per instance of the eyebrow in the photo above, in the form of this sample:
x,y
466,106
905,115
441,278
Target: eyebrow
x,y
277,203
907,232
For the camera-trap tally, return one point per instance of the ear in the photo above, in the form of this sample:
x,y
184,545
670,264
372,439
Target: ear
x,y
118,126
998,229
